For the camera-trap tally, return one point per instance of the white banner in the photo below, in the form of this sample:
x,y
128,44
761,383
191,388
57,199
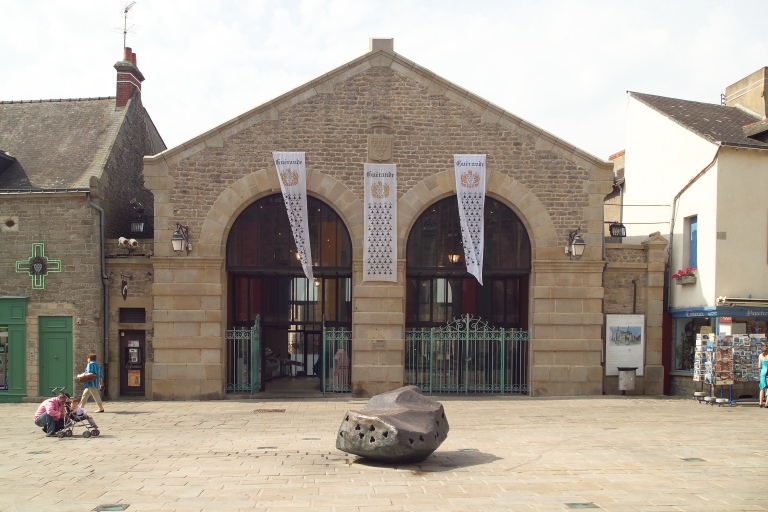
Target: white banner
x,y
470,192
292,171
380,257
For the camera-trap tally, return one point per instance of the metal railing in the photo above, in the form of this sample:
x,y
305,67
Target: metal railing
x,y
467,356
336,360
244,359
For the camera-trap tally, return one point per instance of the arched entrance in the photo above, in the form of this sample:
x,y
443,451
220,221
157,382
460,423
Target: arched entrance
x,y
438,285
439,290
265,280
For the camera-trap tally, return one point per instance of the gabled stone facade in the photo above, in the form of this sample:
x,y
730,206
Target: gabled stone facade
x,y
205,183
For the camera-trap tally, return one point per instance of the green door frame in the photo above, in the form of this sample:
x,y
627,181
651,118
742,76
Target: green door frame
x,y
13,314
55,354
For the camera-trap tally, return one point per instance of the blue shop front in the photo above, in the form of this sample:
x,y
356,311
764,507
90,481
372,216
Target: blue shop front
x,y
720,319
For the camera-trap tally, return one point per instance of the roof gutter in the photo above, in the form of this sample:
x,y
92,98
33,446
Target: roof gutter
x,y
105,283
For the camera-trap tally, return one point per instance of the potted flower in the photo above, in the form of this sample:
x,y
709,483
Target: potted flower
x,y
685,276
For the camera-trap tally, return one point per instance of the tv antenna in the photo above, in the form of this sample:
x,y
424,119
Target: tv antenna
x,y
125,22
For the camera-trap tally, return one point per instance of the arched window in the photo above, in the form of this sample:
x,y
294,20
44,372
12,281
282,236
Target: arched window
x,y
265,278
438,286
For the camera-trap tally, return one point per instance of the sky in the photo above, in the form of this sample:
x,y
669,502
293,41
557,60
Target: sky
x,y
562,65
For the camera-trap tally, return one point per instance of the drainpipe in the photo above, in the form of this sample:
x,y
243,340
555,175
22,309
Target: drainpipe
x,y
105,282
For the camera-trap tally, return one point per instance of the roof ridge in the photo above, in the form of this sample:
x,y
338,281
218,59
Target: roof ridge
x,y
60,100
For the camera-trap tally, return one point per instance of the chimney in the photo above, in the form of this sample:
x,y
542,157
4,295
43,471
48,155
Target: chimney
x,y
129,78
749,92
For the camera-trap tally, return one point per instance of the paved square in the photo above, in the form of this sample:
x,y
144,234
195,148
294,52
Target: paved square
x,y
502,454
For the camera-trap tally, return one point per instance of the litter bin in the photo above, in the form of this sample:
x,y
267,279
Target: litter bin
x,y
627,379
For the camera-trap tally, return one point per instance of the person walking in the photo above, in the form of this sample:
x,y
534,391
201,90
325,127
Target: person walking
x,y
762,360
92,388
49,412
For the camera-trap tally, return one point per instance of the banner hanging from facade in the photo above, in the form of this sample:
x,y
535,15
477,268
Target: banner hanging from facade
x,y
470,192
292,171
380,255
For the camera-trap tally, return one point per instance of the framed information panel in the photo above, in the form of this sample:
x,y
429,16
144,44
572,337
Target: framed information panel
x,y
624,343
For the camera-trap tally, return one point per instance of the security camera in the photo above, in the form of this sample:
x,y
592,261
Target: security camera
x,y
122,242
132,243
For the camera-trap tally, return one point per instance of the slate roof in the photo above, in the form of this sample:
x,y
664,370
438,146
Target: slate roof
x,y
57,144
719,124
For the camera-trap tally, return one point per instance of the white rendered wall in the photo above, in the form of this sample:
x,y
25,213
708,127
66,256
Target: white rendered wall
x,y
742,256
699,200
661,157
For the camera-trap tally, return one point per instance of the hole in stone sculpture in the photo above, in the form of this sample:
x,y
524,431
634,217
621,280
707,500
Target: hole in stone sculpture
x,y
443,415
421,438
357,427
361,435
385,434
341,434
438,423
437,434
410,440
373,428
10,223
346,419
372,439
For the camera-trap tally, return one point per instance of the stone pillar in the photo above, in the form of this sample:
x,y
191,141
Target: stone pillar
x,y
655,247
378,333
566,330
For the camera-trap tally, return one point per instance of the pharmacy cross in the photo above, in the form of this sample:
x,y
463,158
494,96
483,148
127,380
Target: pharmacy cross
x,y
38,265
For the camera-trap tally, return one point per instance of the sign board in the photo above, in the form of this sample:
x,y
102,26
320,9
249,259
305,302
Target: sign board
x,y
624,343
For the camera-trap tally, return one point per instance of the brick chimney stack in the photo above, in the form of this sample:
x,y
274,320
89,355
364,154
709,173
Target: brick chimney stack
x,y
129,78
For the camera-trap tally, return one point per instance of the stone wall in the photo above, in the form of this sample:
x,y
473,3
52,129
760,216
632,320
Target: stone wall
x,y
69,228
634,284
207,182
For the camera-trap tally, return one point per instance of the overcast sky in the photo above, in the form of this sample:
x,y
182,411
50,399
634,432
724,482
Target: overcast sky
x,y
564,66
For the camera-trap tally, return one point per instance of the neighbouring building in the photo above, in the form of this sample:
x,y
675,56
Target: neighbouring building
x,y
70,186
700,172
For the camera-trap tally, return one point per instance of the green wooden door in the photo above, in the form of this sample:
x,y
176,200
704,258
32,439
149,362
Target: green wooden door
x,y
13,317
55,354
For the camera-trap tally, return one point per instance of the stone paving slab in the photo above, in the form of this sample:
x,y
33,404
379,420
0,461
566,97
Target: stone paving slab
x,y
607,453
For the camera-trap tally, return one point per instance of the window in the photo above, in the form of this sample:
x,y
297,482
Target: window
x,y
133,316
438,287
692,236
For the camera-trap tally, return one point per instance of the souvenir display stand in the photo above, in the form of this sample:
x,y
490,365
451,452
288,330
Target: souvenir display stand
x,y
721,360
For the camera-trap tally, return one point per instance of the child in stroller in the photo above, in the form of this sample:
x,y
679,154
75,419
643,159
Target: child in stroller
x,y
76,417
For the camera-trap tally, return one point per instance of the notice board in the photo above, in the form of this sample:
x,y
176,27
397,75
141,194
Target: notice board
x,y
624,343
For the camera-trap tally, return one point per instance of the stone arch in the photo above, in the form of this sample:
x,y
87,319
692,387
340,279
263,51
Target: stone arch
x,y
235,198
531,211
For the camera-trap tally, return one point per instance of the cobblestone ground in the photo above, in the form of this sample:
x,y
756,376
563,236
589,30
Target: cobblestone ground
x,y
609,453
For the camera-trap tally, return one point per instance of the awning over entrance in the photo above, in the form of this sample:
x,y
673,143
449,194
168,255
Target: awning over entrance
x,y
719,311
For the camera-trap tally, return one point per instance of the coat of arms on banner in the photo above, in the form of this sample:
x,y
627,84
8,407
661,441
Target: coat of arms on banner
x,y
289,177
379,148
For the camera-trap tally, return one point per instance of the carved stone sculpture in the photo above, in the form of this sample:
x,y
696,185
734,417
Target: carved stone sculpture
x,y
398,426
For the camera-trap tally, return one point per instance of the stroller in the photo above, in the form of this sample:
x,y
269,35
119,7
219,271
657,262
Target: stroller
x,y
72,422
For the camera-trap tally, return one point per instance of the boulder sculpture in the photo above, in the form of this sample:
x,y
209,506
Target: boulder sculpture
x,y
398,426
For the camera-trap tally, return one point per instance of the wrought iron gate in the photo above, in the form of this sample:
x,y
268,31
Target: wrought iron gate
x,y
244,359
467,356
336,360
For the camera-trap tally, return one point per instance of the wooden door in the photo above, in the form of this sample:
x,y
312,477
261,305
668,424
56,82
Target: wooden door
x,y
55,354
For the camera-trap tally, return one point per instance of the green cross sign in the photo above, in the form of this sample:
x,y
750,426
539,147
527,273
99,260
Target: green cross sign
x,y
38,265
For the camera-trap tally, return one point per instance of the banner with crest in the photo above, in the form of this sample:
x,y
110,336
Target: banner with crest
x,y
380,254
470,192
292,171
